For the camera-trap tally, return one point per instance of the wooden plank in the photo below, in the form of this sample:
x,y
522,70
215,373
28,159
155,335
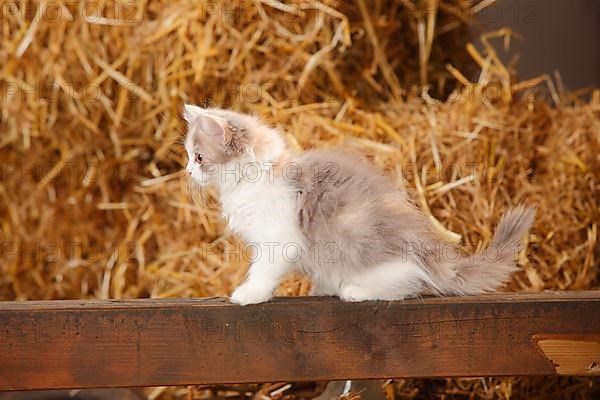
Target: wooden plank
x,y
82,344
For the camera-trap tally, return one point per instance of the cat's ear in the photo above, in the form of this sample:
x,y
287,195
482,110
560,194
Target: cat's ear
x,y
191,113
216,127
211,125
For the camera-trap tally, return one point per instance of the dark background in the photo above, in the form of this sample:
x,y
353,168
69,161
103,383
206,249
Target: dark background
x,y
561,35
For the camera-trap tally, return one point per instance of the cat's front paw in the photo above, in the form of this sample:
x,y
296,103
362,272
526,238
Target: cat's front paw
x,y
355,293
251,293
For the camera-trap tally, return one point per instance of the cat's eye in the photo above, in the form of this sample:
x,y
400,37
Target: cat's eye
x,y
198,158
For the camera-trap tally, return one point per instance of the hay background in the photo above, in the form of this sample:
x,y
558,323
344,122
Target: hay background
x,y
93,203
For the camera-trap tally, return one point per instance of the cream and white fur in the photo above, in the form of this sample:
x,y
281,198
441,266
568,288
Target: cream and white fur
x,y
332,217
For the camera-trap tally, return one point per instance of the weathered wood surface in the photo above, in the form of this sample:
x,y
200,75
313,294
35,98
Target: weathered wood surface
x,y
82,344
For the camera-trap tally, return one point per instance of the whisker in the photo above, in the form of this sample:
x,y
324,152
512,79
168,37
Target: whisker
x,y
175,139
196,192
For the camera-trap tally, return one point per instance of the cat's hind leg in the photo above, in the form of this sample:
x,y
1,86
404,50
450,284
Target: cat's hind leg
x,y
392,280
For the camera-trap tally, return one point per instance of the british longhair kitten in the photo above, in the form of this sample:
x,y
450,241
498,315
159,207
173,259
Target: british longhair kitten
x,y
331,216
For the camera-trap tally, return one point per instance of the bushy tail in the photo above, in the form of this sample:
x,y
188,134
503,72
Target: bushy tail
x,y
486,271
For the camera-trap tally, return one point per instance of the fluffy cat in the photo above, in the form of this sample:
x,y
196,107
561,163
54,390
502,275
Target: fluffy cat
x,y
331,216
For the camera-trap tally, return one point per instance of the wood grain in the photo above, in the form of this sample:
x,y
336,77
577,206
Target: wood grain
x,y
83,344
572,357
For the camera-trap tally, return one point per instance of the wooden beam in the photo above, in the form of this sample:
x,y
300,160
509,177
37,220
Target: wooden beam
x,y
82,344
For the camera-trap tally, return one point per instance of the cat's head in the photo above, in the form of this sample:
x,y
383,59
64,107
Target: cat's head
x,y
220,141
